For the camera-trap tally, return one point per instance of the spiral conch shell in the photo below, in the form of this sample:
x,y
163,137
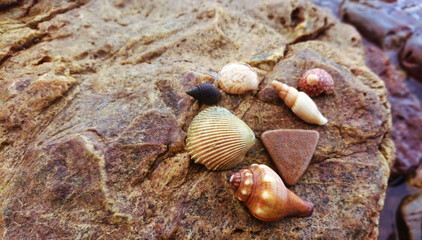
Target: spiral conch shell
x,y
300,103
218,139
263,192
238,78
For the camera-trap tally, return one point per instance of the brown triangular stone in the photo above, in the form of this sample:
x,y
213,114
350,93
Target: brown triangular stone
x,y
291,151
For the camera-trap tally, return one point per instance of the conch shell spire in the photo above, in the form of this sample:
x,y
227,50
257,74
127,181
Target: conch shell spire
x,y
300,103
263,192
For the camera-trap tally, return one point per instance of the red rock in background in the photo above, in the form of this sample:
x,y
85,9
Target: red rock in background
x,y
406,111
411,216
395,26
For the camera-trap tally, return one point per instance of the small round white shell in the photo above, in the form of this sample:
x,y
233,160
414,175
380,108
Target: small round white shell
x,y
238,78
218,139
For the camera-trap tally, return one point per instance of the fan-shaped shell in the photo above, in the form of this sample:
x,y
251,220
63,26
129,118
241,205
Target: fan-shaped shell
x,y
218,139
238,78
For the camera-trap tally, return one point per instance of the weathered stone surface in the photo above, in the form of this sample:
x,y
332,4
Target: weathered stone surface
x,y
394,26
406,112
378,22
291,151
411,212
94,115
4,3
416,178
411,54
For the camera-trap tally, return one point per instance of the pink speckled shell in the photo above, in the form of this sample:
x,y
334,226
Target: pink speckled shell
x,y
323,84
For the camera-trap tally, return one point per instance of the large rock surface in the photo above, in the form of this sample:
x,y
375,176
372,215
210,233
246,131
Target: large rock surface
x,y
411,215
406,113
93,118
395,27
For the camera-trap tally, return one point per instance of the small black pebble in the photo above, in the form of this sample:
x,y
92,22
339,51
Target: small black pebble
x,y
205,93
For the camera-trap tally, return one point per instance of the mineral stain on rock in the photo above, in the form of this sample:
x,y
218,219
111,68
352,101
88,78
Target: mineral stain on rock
x,y
92,136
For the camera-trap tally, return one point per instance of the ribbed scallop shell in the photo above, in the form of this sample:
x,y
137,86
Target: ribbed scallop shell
x,y
218,139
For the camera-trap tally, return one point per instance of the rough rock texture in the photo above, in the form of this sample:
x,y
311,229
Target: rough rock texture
x,y
94,114
416,178
5,3
406,111
331,6
389,30
411,214
393,25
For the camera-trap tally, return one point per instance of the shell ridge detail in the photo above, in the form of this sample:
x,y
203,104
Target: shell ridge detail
x,y
211,153
301,104
218,139
269,199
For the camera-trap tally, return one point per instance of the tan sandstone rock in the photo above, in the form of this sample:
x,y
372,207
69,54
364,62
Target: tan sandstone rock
x,y
94,117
